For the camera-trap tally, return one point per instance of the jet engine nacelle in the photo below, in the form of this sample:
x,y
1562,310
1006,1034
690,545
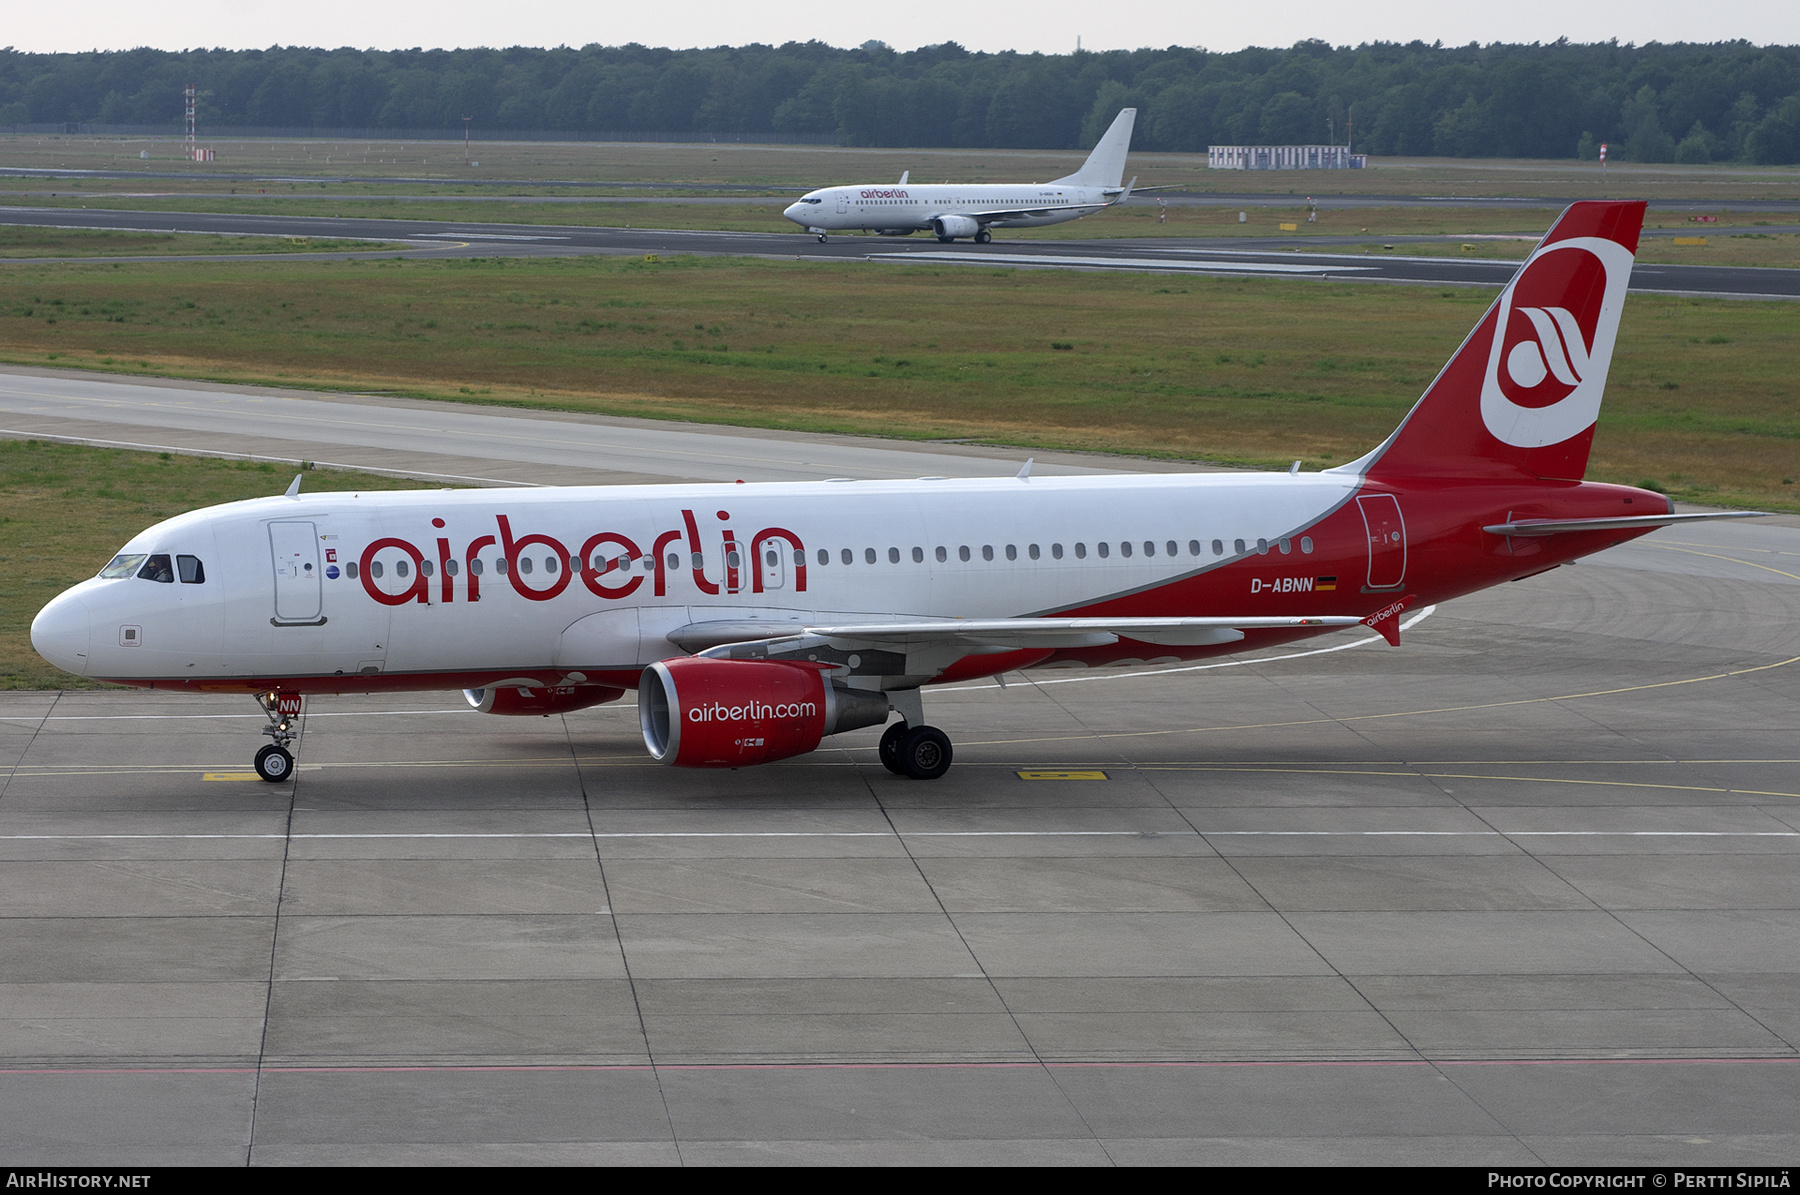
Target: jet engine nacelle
x,y
518,702
699,713
955,226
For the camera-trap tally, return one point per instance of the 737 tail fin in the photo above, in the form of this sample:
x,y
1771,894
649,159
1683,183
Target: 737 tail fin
x,y
1521,395
1105,166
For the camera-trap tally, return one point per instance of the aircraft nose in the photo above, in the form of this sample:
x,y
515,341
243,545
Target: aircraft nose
x,y
796,213
59,633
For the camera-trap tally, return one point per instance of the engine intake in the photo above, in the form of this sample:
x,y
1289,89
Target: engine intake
x,y
955,226
699,713
519,702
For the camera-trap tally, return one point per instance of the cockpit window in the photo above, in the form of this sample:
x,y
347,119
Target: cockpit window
x,y
191,570
812,199
157,568
123,565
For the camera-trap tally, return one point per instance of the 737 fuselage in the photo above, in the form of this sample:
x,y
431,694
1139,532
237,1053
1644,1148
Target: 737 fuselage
x,y
953,211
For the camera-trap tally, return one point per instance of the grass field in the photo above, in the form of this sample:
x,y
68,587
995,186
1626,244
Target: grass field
x,y
16,241
811,166
1254,371
65,510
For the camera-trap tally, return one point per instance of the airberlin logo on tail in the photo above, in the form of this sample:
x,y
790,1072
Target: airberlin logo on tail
x,y
1553,341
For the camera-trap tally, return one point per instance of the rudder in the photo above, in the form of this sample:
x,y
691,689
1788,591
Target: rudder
x,y
1521,395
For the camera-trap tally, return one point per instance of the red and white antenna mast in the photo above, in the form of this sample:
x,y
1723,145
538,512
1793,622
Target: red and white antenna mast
x,y
191,151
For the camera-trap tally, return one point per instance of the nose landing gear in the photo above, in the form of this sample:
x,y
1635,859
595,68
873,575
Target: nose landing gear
x,y
275,762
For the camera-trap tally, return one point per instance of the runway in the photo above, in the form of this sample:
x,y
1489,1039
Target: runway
x,y
1522,891
1217,257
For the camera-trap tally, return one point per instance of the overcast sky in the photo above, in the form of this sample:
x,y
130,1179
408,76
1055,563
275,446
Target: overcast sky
x,y
1051,26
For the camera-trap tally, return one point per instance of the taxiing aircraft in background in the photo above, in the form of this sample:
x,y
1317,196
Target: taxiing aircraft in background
x,y
953,211
754,620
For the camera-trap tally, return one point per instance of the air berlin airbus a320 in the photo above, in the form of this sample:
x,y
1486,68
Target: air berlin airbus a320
x,y
753,620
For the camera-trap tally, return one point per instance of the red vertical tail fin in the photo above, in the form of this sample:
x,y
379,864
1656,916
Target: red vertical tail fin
x,y
1521,395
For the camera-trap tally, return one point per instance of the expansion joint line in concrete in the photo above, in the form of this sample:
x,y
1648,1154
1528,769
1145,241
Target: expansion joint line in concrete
x,y
1012,1016
262,1041
26,749
637,1004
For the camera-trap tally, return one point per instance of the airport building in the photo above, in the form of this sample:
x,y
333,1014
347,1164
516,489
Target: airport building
x,y
1284,157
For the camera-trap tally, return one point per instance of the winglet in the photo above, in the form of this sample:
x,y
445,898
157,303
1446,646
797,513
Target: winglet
x,y
904,174
1025,473
293,490
1386,620
1128,189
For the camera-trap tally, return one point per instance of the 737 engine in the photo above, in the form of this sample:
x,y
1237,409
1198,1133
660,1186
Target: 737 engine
x,y
699,713
951,227
519,702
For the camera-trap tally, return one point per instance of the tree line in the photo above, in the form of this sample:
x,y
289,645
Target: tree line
x,y
1728,101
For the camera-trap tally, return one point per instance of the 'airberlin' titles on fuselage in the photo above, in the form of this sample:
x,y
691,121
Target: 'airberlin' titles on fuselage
x,y
561,564
885,195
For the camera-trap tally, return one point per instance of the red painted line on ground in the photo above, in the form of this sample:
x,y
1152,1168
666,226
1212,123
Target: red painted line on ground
x,y
892,1066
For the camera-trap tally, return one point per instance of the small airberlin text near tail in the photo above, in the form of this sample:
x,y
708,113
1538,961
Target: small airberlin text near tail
x,y
1520,398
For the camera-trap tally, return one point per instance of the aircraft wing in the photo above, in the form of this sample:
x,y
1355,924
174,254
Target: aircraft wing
x,y
1014,212
928,645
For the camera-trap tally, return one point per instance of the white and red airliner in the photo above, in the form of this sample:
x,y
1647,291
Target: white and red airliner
x,y
953,211
754,620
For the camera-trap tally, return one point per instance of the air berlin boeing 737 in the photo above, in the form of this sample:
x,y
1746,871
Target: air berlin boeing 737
x,y
956,210
753,620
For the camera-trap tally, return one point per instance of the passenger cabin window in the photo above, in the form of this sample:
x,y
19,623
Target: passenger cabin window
x,y
1125,548
475,567
1262,547
1306,544
1237,545
848,557
1012,552
893,555
962,553
350,569
987,551
1218,547
1056,551
1081,551
425,568
125,564
869,555
942,555
1286,545
1193,548
157,568
375,569
400,568
824,556
1032,551
1104,548
190,570
918,555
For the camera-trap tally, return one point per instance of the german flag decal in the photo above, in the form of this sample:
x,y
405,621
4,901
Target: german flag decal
x,y
1324,583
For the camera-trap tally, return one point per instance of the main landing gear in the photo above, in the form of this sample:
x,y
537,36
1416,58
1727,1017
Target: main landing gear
x,y
275,762
821,238
917,752
983,237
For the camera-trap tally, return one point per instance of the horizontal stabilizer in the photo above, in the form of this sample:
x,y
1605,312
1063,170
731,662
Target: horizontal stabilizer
x,y
1527,527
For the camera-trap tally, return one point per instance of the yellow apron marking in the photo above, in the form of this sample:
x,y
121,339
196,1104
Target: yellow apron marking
x,y
1062,775
229,776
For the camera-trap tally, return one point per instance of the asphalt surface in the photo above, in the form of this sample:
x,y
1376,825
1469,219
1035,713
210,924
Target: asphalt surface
x,y
1522,891
1156,255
